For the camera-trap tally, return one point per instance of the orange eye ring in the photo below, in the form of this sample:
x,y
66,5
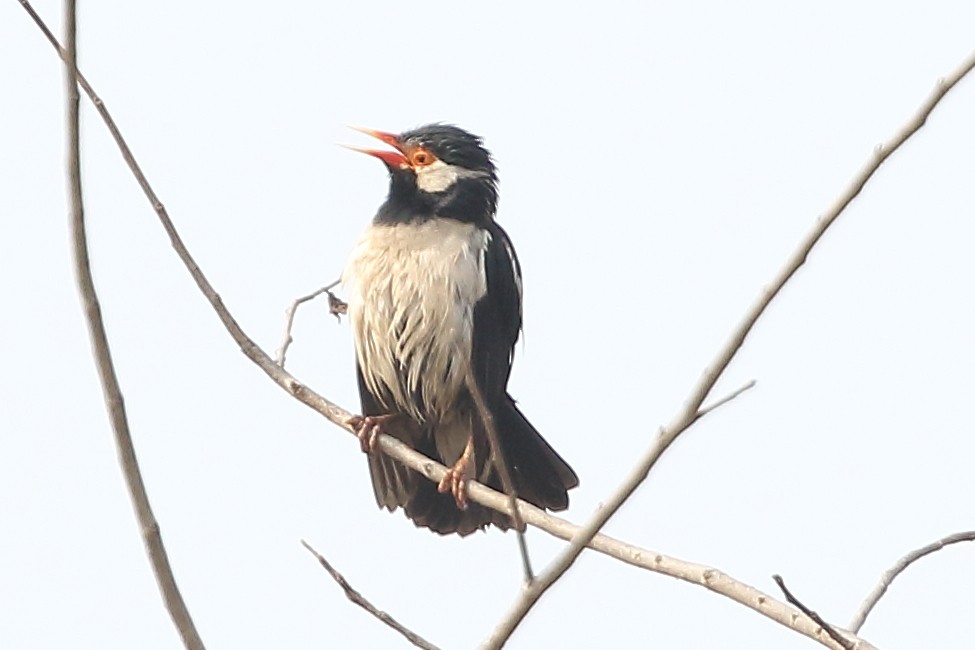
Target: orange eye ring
x,y
422,158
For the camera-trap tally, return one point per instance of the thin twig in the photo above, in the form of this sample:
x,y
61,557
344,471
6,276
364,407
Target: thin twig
x,y
888,577
289,320
509,487
361,601
111,389
691,411
727,398
836,636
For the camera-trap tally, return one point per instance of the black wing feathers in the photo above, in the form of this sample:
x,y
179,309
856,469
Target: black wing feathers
x,y
539,473
497,317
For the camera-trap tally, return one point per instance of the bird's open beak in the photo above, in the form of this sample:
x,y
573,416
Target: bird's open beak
x,y
393,159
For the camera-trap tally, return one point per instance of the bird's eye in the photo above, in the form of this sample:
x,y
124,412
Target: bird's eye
x,y
422,158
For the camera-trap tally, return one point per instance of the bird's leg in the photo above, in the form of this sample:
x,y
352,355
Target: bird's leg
x,y
455,480
368,427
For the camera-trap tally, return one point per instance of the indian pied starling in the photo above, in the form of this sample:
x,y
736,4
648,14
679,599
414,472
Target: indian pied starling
x,y
434,297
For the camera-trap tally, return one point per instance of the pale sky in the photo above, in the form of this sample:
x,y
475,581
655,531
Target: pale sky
x,y
658,164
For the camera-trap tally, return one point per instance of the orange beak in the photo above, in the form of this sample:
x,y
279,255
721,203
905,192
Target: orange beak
x,y
391,158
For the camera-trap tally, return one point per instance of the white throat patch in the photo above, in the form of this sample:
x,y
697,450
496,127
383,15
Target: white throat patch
x,y
440,176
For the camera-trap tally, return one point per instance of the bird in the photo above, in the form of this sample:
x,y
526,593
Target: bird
x,y
434,299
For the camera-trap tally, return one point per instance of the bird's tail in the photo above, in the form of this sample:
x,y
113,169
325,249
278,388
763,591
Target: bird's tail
x,y
539,474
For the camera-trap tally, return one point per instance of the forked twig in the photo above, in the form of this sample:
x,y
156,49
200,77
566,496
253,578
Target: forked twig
x,y
289,320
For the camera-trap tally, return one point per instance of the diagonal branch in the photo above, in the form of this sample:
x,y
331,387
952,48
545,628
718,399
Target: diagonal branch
x,y
888,577
362,602
103,356
691,411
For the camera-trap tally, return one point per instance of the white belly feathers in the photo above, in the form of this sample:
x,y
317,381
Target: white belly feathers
x,y
411,294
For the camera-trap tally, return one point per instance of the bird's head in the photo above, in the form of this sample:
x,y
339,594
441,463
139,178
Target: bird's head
x,y
437,170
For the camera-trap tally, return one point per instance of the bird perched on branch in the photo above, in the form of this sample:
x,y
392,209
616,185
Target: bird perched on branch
x,y
434,299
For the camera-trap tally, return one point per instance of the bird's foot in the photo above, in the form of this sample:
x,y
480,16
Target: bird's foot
x,y
367,428
455,480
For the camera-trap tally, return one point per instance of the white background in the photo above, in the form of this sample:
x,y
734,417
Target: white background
x,y
657,166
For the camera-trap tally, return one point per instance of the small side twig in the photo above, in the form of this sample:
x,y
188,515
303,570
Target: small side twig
x,y
361,601
727,398
506,482
888,577
335,307
795,602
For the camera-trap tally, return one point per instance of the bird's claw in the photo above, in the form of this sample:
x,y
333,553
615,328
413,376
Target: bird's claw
x,y
367,430
368,427
455,481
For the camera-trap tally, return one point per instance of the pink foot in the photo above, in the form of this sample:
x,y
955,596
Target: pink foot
x,y
367,428
455,481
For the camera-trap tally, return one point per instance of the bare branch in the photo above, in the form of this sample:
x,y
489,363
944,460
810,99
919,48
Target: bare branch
x,y
880,154
103,357
361,601
289,321
691,411
506,482
830,630
888,577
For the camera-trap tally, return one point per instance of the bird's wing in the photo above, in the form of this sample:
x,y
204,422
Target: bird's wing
x,y
497,316
539,473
